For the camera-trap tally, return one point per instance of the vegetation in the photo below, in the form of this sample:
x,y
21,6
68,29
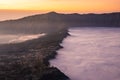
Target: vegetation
x,y
30,60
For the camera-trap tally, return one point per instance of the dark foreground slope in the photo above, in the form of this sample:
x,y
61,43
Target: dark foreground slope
x,y
30,60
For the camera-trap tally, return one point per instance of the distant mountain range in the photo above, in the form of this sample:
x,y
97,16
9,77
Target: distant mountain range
x,y
53,21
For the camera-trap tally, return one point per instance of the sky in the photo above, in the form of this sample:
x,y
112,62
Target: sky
x,y
19,8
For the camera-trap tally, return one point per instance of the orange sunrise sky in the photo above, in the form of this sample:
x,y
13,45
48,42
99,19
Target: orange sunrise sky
x,y
11,9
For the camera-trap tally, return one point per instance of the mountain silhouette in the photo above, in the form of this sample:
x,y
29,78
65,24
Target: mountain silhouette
x,y
53,21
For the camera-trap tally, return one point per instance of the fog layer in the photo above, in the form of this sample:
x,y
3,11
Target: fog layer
x,y
90,54
12,38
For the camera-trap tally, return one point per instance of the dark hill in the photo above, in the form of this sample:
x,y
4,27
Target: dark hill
x,y
53,21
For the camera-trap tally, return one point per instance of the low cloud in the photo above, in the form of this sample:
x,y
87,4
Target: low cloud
x,y
90,54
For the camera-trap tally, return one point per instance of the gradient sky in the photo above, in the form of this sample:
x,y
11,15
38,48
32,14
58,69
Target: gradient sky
x,y
28,7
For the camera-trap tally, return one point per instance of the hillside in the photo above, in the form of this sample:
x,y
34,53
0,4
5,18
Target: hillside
x,y
30,60
53,21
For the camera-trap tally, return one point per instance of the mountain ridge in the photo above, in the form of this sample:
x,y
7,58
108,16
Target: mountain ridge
x,y
55,13
52,21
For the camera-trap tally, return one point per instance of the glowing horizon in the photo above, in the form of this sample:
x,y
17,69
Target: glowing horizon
x,y
78,6
19,8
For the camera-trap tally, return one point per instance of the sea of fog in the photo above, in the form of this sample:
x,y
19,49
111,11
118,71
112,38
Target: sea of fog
x,y
17,38
90,54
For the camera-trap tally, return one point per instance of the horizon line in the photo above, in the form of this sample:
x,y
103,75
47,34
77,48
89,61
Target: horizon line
x,y
56,13
64,12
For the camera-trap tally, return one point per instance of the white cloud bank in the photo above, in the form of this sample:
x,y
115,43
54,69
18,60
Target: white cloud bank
x,y
90,54
18,38
23,38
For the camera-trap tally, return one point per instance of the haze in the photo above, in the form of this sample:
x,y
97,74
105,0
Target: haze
x,y
20,8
